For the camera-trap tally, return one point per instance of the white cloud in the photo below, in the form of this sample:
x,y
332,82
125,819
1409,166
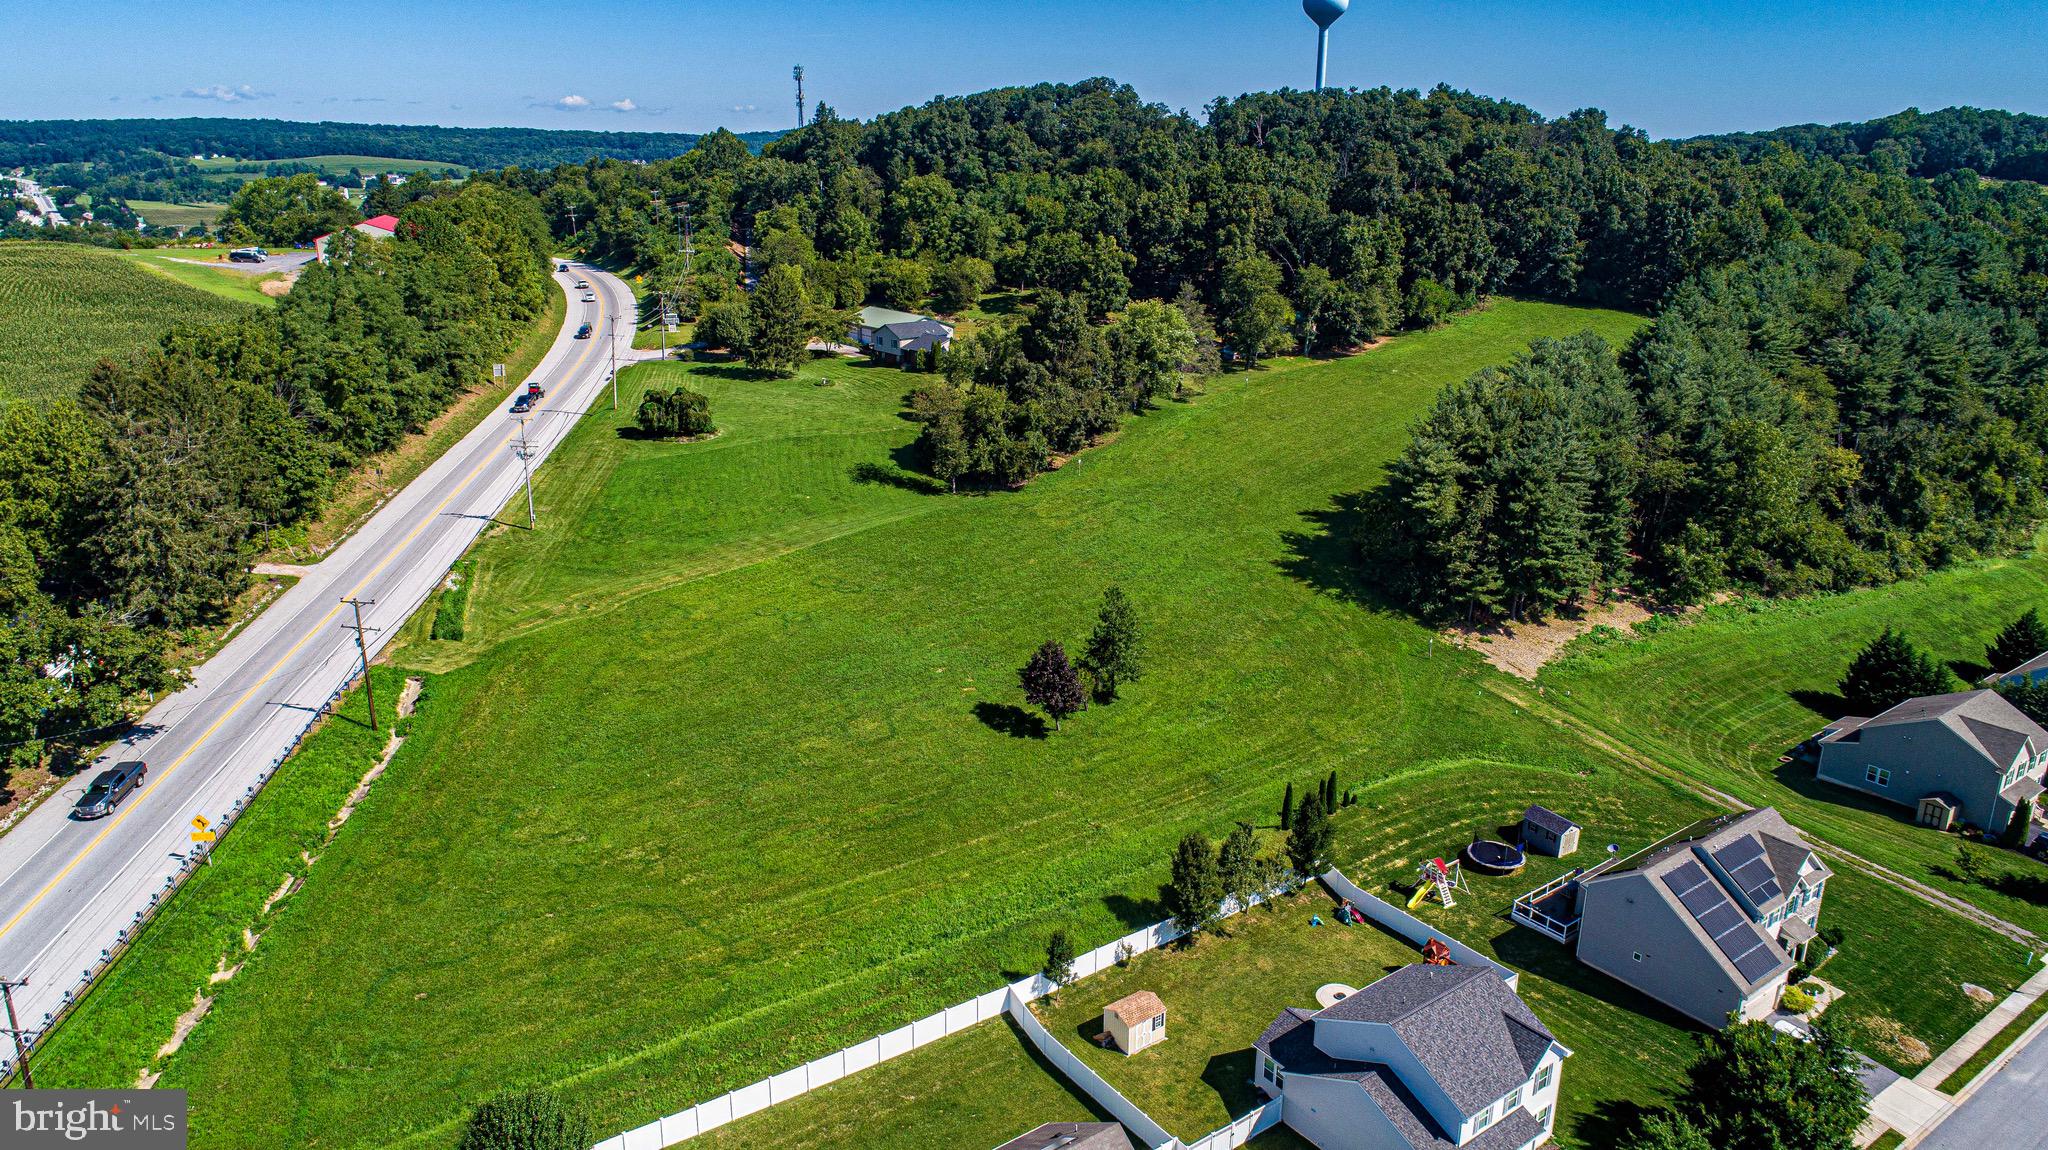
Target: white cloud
x,y
743,108
573,103
223,93
625,105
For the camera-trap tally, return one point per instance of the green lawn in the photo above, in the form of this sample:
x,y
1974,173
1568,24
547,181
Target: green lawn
x,y
1220,994
331,165
206,269
1721,699
732,772
1999,1044
63,307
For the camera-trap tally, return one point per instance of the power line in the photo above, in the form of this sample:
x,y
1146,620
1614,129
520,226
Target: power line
x,y
526,469
7,986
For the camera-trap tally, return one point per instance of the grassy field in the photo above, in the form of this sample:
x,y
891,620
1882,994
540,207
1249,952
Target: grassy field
x,y
64,307
672,702
1723,698
1999,1044
167,215
208,270
331,166
115,1032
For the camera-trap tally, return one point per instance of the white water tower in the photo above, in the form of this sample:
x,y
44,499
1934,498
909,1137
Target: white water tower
x,y
1324,13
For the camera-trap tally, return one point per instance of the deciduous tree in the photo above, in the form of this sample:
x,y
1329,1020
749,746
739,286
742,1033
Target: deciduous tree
x,y
526,1120
1051,683
1112,656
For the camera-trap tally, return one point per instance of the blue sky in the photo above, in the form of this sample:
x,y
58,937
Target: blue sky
x,y
688,65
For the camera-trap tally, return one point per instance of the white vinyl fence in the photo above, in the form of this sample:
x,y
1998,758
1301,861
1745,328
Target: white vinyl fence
x,y
1014,999
1149,1133
1408,926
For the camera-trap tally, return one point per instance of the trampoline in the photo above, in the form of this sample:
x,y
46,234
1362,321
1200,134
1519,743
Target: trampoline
x,y
1493,858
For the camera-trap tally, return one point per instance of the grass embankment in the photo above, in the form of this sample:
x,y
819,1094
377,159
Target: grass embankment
x,y
358,495
64,307
451,606
208,270
116,1030
1722,698
1999,1044
749,705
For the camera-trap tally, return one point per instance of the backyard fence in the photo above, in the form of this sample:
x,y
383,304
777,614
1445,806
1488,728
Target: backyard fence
x,y
1408,926
1244,1129
1150,1133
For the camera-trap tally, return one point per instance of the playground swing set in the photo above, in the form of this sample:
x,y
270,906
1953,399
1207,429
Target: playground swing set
x,y
1439,878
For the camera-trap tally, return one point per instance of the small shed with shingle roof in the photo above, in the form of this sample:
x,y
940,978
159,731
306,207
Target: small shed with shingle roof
x,y
1135,1021
1547,832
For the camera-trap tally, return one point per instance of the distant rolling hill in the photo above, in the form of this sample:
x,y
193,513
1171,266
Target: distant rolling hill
x,y
37,143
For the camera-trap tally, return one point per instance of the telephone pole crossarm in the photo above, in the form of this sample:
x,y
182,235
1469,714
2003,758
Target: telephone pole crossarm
x,y
363,649
7,986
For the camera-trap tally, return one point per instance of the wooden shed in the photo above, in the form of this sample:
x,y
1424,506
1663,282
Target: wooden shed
x,y
1547,832
1135,1021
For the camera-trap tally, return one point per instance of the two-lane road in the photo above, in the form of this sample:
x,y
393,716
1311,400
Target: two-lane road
x,y
68,888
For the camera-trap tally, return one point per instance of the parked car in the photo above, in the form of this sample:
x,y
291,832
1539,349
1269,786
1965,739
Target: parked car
x,y
522,405
583,332
106,792
248,255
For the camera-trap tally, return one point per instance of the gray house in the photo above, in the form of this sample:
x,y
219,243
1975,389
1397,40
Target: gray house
x,y
1547,832
1709,921
1969,755
1427,1058
1071,1136
2029,673
893,336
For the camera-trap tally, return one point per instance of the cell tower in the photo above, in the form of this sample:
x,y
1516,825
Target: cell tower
x,y
798,73
1324,13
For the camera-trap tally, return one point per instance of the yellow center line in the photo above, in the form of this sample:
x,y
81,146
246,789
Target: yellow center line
x,y
317,628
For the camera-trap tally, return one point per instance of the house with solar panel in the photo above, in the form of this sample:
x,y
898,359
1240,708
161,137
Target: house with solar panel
x,y
1968,756
1709,921
1426,1058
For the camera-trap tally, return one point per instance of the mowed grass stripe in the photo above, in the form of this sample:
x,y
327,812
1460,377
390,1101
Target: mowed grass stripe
x,y
662,846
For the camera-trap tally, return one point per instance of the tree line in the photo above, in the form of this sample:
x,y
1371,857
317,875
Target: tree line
x,y
132,513
1858,399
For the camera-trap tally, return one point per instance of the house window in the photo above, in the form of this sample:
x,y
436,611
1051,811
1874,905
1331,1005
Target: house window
x,y
1509,1101
1877,775
1543,1077
1545,1117
1269,1070
1482,1120
1159,1022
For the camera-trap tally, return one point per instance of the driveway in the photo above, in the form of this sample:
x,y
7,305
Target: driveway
x,y
277,262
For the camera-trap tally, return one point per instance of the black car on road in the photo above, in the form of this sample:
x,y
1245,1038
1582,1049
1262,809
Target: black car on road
x,y
106,792
523,404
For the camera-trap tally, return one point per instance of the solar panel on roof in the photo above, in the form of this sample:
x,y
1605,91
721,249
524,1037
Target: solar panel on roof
x,y
1758,882
1721,919
1685,876
1758,962
1738,852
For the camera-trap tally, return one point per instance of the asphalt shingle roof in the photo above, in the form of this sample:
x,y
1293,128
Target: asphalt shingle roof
x,y
1470,1032
1982,718
1548,819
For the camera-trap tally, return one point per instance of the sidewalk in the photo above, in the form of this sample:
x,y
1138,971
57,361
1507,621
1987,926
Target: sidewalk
x,y
1936,1072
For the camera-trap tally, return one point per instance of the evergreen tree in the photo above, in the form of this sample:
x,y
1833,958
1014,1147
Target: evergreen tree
x,y
2030,698
1287,807
1059,959
1051,683
526,1120
2021,640
1667,1130
778,321
1112,655
1310,838
1237,865
2018,830
1195,891
1889,671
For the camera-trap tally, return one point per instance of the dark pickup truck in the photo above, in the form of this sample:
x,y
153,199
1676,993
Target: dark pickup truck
x,y
106,792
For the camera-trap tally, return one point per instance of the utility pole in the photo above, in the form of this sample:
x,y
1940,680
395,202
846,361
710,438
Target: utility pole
x,y
613,355
363,648
526,470
572,221
798,73
689,240
7,986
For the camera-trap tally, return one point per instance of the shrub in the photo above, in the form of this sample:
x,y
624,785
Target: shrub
x,y
527,1120
675,414
1795,1000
